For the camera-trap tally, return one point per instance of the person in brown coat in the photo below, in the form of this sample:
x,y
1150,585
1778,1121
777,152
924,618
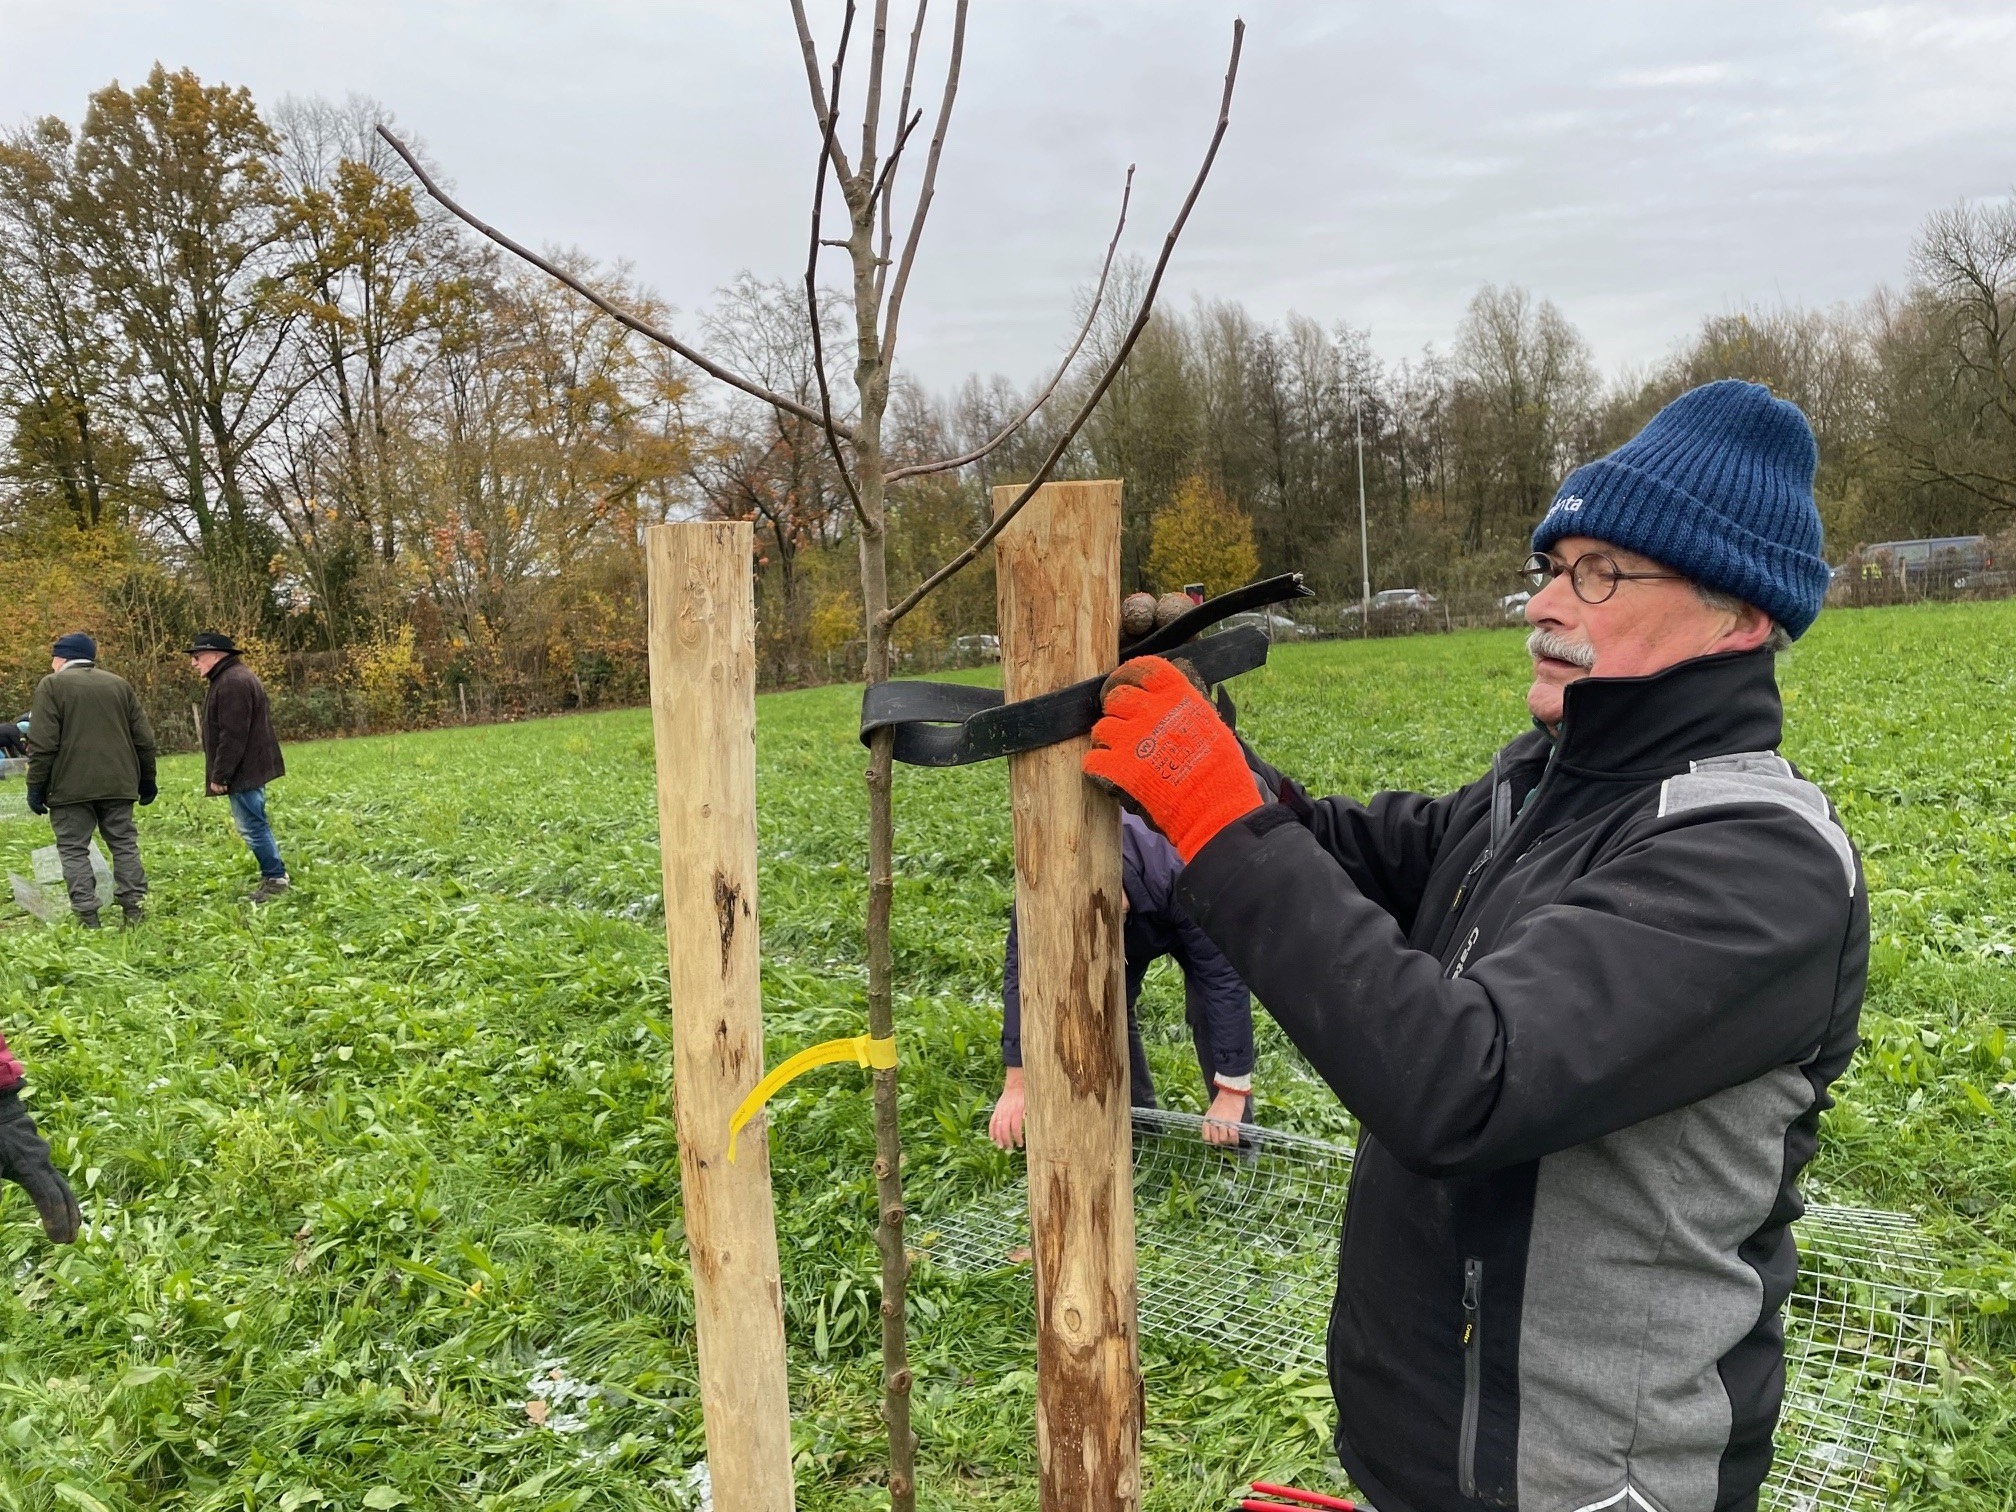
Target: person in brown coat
x,y
241,754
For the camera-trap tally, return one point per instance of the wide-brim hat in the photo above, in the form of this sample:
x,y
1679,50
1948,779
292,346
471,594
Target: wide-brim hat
x,y
212,640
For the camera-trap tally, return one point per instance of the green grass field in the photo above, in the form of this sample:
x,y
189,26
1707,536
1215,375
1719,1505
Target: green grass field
x,y
372,1170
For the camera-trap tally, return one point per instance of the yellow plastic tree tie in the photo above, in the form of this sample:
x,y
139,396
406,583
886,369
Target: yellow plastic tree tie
x,y
863,1049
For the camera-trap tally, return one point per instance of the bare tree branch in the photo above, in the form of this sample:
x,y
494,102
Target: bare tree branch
x,y
871,108
607,306
946,464
882,183
1000,522
819,107
812,274
928,186
885,193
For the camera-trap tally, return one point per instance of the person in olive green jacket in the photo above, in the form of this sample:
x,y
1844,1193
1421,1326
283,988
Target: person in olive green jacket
x,y
90,759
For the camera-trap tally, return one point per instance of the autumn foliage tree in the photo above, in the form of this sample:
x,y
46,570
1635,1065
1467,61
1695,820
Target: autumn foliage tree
x,y
1200,536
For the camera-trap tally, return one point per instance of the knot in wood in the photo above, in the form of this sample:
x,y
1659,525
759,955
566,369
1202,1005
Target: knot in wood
x,y
881,1168
893,1216
899,1383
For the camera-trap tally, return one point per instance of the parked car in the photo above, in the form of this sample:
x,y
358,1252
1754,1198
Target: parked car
x,y
1401,611
977,647
1513,605
1946,557
1278,626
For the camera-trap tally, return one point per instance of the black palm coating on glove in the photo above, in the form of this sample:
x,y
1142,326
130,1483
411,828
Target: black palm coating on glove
x,y
24,1159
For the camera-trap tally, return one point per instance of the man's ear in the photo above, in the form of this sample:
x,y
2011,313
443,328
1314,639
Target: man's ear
x,y
1751,630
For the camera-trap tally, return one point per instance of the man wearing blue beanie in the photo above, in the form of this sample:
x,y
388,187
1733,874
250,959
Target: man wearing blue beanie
x,y
1586,1009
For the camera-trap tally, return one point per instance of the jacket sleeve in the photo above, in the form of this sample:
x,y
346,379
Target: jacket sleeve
x,y
231,722
1702,952
1011,999
143,736
1217,996
1387,846
45,733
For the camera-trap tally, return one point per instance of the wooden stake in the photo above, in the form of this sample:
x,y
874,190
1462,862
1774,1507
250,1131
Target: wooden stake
x,y
703,718
1058,567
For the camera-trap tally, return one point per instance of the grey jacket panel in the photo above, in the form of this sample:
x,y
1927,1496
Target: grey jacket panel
x,y
1758,777
1634,1292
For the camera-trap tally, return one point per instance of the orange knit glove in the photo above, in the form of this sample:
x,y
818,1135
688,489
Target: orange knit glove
x,y
1164,746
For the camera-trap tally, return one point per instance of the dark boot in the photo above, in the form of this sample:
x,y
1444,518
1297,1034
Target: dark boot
x,y
133,917
88,920
268,889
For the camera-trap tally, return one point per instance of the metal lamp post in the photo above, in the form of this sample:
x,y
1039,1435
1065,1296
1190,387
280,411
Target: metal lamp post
x,y
1364,547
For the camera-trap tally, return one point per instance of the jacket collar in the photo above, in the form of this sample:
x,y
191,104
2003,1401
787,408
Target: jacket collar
x,y
1654,726
230,659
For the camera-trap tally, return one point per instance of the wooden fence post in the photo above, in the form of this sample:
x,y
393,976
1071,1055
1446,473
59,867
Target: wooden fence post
x,y
703,718
1058,571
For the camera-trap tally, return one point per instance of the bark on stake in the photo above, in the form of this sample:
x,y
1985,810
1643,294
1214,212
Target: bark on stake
x,y
1058,567
703,718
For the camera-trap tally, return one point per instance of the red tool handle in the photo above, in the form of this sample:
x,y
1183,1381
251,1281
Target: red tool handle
x,y
1308,1498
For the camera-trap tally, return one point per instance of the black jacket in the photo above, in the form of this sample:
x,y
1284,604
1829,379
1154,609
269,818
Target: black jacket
x,y
1586,1011
240,750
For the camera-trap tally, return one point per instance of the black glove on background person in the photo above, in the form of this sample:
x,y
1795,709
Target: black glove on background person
x,y
38,800
24,1158
148,793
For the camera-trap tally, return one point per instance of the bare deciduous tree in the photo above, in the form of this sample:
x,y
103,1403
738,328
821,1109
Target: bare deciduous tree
x,y
868,184
1961,367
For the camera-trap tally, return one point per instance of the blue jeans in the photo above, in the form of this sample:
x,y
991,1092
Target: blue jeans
x,y
248,812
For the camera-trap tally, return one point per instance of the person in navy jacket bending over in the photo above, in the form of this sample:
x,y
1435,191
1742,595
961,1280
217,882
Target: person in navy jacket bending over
x,y
1217,1006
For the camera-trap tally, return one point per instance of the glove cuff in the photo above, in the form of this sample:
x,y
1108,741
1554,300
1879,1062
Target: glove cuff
x,y
1217,805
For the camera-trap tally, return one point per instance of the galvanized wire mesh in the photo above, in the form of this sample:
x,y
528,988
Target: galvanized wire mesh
x,y
13,787
1238,1248
1860,1328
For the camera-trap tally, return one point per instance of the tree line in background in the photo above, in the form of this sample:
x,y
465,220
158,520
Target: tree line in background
x,y
249,381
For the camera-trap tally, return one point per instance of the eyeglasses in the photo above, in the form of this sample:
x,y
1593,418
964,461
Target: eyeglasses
x,y
1593,576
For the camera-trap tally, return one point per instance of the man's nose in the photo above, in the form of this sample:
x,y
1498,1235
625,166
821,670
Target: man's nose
x,y
1552,605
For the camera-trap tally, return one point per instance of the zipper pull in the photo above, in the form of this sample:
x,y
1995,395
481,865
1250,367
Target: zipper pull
x,y
1468,877
1473,1278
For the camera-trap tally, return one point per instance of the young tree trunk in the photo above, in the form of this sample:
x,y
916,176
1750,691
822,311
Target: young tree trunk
x,y
871,386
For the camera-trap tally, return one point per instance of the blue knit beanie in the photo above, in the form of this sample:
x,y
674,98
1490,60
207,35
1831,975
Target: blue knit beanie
x,y
76,646
1718,485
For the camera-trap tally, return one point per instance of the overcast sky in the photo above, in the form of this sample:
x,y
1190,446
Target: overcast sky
x,y
1641,165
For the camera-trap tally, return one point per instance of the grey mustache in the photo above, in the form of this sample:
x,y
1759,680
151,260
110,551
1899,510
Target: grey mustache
x,y
1546,643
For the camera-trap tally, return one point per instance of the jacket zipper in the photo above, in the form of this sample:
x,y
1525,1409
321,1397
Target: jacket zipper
x,y
1462,888
1501,806
1495,855
1473,1373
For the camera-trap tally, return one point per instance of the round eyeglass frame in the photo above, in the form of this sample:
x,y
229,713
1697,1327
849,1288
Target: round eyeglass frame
x,y
1589,572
